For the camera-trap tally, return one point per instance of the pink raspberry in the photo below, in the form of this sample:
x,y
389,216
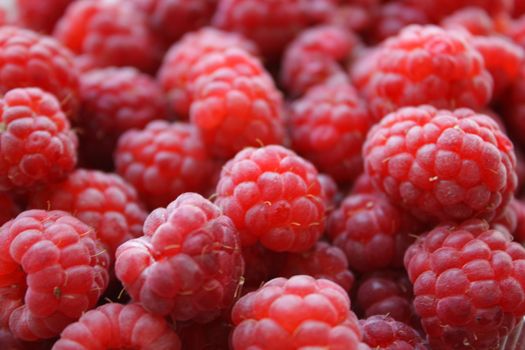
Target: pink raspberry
x,y
473,19
273,196
436,10
116,326
39,15
299,312
110,33
468,285
392,17
328,126
103,201
385,333
53,271
188,263
427,65
175,72
163,161
442,165
37,145
114,100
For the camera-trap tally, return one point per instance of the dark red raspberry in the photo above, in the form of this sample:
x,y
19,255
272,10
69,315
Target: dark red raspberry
x,y
32,60
163,161
442,165
8,208
513,220
260,265
313,57
187,265
519,232
436,10
208,336
103,201
372,232
39,15
473,19
53,270
330,191
513,105
110,33
273,196
428,65
114,100
300,312
328,126
468,285
175,71
9,342
117,326
385,333
392,17
37,145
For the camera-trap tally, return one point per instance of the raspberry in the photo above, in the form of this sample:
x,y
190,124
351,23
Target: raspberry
x,y
236,103
428,65
385,333
363,67
372,232
273,196
103,201
322,261
328,126
209,336
513,220
296,313
513,103
39,15
37,145
468,285
393,17
32,60
518,8
53,271
314,56
175,71
9,342
162,161
363,185
473,19
330,191
116,326
436,10
115,100
442,165
110,33
8,208
187,265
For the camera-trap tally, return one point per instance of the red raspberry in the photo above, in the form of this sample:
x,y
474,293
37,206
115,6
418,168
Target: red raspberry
x,y
175,71
37,145
209,336
236,103
53,271
473,19
518,8
115,100
313,57
436,10
110,33
188,264
372,232
428,65
9,342
513,103
103,201
273,196
300,312
330,191
443,165
468,285
328,126
364,65
260,265
162,161
393,17
116,326
39,15
513,220
322,261
8,208
363,185
519,232
32,60
385,333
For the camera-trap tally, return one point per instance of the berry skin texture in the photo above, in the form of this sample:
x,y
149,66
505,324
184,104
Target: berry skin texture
x,y
37,145
41,16
468,285
101,200
296,313
385,333
273,196
163,161
53,271
428,65
117,326
442,165
328,126
32,60
188,264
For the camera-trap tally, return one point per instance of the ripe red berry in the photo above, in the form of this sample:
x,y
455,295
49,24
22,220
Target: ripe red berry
x,y
385,333
513,104
473,19
260,265
392,17
41,16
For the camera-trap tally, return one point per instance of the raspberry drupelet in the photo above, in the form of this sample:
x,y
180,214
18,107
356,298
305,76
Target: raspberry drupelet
x,y
468,285
117,326
385,333
296,313
442,165
53,270
41,16
103,201
187,265
37,145
273,196
163,161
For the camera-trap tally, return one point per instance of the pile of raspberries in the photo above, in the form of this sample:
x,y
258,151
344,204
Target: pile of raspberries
x,y
262,175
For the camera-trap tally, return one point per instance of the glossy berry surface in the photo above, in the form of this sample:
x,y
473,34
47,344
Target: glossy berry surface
x,y
385,333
